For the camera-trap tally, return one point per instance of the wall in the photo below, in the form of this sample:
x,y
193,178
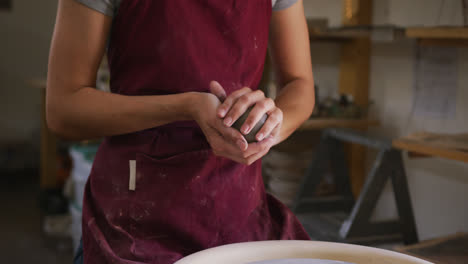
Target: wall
x,y
26,31
331,10
439,188
325,54
406,13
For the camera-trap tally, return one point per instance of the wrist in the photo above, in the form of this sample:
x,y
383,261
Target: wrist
x,y
191,105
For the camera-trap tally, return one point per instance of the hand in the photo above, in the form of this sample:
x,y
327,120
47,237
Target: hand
x,y
225,141
239,101
236,104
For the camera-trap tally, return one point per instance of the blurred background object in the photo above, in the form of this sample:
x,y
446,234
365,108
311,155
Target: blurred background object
x,y
5,4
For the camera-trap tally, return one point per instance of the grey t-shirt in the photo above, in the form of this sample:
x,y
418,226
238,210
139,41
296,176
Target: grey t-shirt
x,y
110,7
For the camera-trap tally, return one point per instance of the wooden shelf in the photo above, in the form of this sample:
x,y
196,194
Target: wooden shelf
x,y
376,33
437,35
319,34
437,32
338,34
433,145
322,123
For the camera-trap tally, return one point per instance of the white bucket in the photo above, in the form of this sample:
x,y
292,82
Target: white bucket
x,y
80,173
244,253
75,227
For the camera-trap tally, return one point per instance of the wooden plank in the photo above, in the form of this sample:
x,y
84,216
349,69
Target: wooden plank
x,y
355,66
448,141
354,79
339,34
322,123
48,151
317,34
438,32
357,12
428,149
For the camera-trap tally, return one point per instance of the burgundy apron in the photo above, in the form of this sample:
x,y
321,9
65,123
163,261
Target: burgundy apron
x,y
158,195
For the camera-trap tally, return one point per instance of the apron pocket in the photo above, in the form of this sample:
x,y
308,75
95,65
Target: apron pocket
x,y
165,188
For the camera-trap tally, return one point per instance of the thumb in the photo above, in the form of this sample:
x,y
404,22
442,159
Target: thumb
x,y
218,90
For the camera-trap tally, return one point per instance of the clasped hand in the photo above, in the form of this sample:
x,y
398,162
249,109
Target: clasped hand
x,y
217,112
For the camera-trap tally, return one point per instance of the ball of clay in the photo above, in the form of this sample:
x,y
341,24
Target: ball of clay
x,y
251,136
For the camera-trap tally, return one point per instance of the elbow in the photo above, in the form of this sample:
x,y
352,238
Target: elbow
x,y
56,121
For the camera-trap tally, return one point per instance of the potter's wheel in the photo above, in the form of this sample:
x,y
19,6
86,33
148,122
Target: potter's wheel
x,y
297,252
300,261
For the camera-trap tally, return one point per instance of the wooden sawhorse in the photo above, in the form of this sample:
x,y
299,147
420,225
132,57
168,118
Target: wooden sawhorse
x,y
340,218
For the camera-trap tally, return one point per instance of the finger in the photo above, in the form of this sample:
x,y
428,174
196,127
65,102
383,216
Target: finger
x,y
241,105
274,120
230,100
233,153
256,156
250,160
276,131
226,154
218,90
231,135
258,112
258,147
223,148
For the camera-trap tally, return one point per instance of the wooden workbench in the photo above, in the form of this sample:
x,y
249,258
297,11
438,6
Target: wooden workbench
x,y
449,146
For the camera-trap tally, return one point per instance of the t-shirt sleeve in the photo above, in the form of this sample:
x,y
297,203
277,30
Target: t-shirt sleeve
x,y
283,4
107,7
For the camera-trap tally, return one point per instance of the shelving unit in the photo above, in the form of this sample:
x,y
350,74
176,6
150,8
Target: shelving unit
x,y
356,43
355,39
446,36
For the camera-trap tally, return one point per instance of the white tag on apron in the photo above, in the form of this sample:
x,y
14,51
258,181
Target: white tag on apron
x,y
132,181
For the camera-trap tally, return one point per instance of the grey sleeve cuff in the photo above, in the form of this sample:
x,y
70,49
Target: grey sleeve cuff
x,y
283,4
102,6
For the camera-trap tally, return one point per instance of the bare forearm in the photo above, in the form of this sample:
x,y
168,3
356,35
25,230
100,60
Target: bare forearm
x,y
297,101
89,113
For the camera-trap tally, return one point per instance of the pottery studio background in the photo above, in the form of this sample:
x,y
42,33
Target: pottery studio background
x,y
392,71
